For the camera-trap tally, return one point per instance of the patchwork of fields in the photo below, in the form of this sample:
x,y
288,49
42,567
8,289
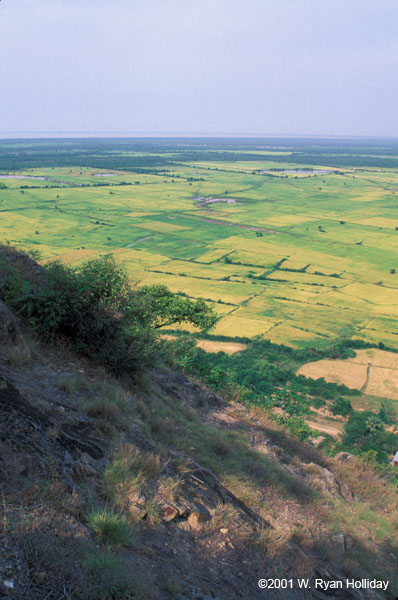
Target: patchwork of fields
x,y
298,257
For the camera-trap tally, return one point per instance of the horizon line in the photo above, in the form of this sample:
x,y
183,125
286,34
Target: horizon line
x,y
187,134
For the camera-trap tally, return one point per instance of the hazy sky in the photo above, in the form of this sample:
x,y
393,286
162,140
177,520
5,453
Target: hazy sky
x,y
221,66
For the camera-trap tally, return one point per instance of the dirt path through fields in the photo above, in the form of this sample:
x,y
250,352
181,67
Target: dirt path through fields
x,y
237,225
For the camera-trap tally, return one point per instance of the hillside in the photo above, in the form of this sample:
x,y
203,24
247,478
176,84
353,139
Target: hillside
x,y
156,487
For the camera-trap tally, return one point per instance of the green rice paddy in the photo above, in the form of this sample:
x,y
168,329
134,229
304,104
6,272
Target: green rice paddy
x,y
297,257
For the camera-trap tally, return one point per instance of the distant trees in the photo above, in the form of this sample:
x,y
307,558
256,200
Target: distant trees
x,y
365,431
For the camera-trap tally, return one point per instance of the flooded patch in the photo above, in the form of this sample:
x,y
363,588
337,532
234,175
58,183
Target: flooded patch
x,y
23,177
297,171
203,201
141,239
215,200
237,225
105,174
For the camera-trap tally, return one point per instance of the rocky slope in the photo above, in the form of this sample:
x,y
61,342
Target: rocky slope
x,y
215,496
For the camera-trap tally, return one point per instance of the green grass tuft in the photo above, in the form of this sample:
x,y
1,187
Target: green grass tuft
x,y
110,527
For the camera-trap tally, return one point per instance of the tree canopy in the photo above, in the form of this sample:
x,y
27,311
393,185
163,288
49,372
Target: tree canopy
x,y
97,310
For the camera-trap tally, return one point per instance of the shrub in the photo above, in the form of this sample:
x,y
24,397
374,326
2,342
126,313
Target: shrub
x,y
318,402
297,426
341,406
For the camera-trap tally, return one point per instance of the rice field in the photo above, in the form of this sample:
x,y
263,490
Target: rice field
x,y
373,372
301,254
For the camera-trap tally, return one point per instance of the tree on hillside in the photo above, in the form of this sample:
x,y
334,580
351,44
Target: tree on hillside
x,y
161,308
341,406
96,309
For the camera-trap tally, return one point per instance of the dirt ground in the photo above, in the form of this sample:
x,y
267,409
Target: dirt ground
x,y
214,346
227,347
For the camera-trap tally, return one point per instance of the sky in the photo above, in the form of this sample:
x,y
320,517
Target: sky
x,y
291,67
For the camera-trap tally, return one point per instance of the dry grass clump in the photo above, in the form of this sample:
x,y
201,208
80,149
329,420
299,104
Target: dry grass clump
x,y
220,445
69,566
129,471
120,473
292,448
101,408
72,384
106,402
224,516
365,483
168,487
152,514
134,483
270,540
18,359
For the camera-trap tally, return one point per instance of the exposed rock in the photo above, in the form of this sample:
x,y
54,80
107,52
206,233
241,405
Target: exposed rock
x,y
343,456
183,509
199,515
339,541
346,492
343,593
18,260
136,502
201,483
169,512
30,436
12,344
8,584
187,591
86,465
324,480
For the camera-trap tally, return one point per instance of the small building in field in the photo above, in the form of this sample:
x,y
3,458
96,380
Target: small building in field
x,y
395,460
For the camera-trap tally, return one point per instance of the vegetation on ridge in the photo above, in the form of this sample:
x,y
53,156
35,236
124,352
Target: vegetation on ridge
x,y
95,308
